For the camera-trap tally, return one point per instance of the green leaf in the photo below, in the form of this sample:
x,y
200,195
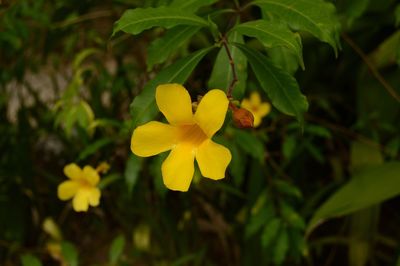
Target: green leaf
x,y
289,146
221,75
369,186
191,5
281,246
355,8
270,231
397,15
280,87
314,16
291,216
273,34
82,56
284,58
143,107
134,21
132,169
318,131
162,48
69,253
362,154
250,144
287,188
258,220
30,260
387,51
116,249
94,147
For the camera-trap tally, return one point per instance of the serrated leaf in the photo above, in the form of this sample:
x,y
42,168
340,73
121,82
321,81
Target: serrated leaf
x,y
273,34
69,253
134,21
30,260
314,16
143,107
367,187
191,5
162,48
221,75
249,144
116,249
280,87
132,169
270,232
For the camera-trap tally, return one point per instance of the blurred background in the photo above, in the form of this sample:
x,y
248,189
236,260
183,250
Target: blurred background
x,y
65,92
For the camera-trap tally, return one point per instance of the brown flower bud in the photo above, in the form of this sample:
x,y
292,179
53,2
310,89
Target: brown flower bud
x,y
243,118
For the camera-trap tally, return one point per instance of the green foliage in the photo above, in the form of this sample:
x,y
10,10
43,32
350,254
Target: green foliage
x,y
143,107
273,34
221,75
29,260
314,16
75,83
116,249
137,20
280,87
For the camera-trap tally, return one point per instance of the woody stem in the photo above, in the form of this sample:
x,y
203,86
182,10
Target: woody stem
x,y
234,75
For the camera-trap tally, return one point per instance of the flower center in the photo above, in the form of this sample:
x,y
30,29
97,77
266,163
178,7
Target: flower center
x,y
192,135
84,183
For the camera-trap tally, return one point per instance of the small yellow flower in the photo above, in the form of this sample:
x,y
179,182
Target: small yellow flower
x,y
256,107
187,135
81,187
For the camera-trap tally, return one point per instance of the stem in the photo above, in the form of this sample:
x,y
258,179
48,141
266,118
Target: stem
x,y
234,78
371,67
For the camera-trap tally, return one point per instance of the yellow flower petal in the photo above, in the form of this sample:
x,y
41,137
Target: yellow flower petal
x,y
91,175
94,196
67,189
255,98
174,102
178,169
257,119
246,104
264,109
81,200
213,159
210,114
73,171
153,138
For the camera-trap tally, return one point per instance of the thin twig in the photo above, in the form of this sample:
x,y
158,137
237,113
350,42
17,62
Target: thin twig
x,y
234,78
89,16
371,67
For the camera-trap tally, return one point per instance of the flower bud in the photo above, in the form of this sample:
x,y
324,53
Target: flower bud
x,y
243,118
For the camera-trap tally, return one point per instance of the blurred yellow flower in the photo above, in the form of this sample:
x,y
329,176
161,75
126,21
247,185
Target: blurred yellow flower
x,y
256,107
81,187
187,135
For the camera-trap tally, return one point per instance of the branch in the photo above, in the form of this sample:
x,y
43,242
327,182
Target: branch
x,y
234,78
371,67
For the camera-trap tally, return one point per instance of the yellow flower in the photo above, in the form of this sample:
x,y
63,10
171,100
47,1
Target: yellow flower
x,y
256,107
187,135
81,187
